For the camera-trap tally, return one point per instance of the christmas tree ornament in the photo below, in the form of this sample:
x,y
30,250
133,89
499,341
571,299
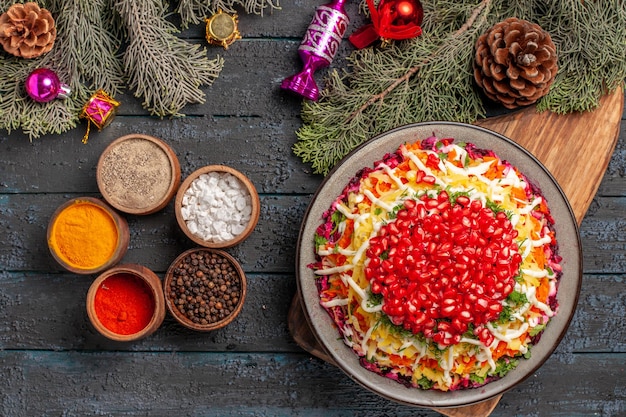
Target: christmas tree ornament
x,y
27,31
99,110
43,85
318,47
391,20
515,62
221,29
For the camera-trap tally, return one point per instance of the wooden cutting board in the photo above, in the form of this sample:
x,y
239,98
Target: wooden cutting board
x,y
557,141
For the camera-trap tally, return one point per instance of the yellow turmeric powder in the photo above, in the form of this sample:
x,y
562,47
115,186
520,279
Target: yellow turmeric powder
x,y
84,235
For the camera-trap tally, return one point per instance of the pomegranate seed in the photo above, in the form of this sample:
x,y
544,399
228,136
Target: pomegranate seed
x,y
465,316
448,311
448,264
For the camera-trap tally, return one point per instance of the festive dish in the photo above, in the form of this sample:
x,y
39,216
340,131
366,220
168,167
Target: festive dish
x,y
414,300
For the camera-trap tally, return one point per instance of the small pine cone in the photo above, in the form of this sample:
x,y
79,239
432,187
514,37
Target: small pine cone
x,y
515,62
27,31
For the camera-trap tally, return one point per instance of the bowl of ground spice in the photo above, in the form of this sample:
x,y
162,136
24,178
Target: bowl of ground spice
x,y
217,206
204,289
126,303
138,174
86,236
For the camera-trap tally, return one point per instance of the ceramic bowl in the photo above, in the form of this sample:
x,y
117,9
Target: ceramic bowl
x,y
365,156
223,218
138,174
204,279
126,303
70,257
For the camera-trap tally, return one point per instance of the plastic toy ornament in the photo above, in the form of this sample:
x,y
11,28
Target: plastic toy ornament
x,y
318,47
391,20
43,85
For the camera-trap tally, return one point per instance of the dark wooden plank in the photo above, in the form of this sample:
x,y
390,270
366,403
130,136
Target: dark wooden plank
x,y
613,183
288,22
258,147
47,311
155,239
113,383
603,234
599,321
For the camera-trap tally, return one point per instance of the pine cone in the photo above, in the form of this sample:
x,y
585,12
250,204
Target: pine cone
x,y
27,31
515,62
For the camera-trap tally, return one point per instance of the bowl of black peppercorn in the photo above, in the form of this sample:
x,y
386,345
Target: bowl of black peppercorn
x,y
204,289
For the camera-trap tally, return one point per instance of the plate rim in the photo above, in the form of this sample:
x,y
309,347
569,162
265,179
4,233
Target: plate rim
x,y
456,398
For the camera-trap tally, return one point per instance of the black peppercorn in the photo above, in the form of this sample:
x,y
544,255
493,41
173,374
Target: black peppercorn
x,y
206,287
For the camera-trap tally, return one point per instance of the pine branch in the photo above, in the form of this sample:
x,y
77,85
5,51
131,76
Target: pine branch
x,y
83,53
427,78
592,55
413,70
86,52
430,78
166,71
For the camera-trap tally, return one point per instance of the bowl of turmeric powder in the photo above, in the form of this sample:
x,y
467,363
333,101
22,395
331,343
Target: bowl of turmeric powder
x,y
126,303
86,236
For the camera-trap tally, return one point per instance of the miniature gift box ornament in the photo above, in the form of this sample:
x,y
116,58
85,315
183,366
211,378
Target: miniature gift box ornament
x,y
99,110
318,47
43,85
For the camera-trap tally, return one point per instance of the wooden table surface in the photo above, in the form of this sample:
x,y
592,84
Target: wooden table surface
x,y
53,363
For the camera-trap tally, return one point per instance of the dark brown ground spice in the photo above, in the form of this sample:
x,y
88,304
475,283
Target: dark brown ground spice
x,y
205,287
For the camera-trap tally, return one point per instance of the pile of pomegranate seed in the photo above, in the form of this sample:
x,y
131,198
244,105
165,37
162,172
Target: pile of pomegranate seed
x,y
442,265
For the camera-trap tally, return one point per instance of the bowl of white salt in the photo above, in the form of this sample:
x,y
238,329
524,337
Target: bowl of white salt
x,y
217,206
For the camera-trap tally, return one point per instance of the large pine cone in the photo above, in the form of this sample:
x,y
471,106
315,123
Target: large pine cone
x,y
27,31
515,62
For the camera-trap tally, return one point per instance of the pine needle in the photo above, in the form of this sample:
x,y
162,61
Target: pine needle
x,y
163,70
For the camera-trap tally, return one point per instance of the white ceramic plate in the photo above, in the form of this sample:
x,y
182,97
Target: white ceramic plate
x,y
365,156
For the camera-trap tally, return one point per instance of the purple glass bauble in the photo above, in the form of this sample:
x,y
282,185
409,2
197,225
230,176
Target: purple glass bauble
x,y
43,85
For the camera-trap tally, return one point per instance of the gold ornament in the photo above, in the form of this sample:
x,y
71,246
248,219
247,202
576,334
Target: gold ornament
x,y
221,29
515,62
27,31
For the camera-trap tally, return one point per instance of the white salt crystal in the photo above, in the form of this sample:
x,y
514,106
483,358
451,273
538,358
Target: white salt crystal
x,y
240,203
217,206
237,229
225,235
184,211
